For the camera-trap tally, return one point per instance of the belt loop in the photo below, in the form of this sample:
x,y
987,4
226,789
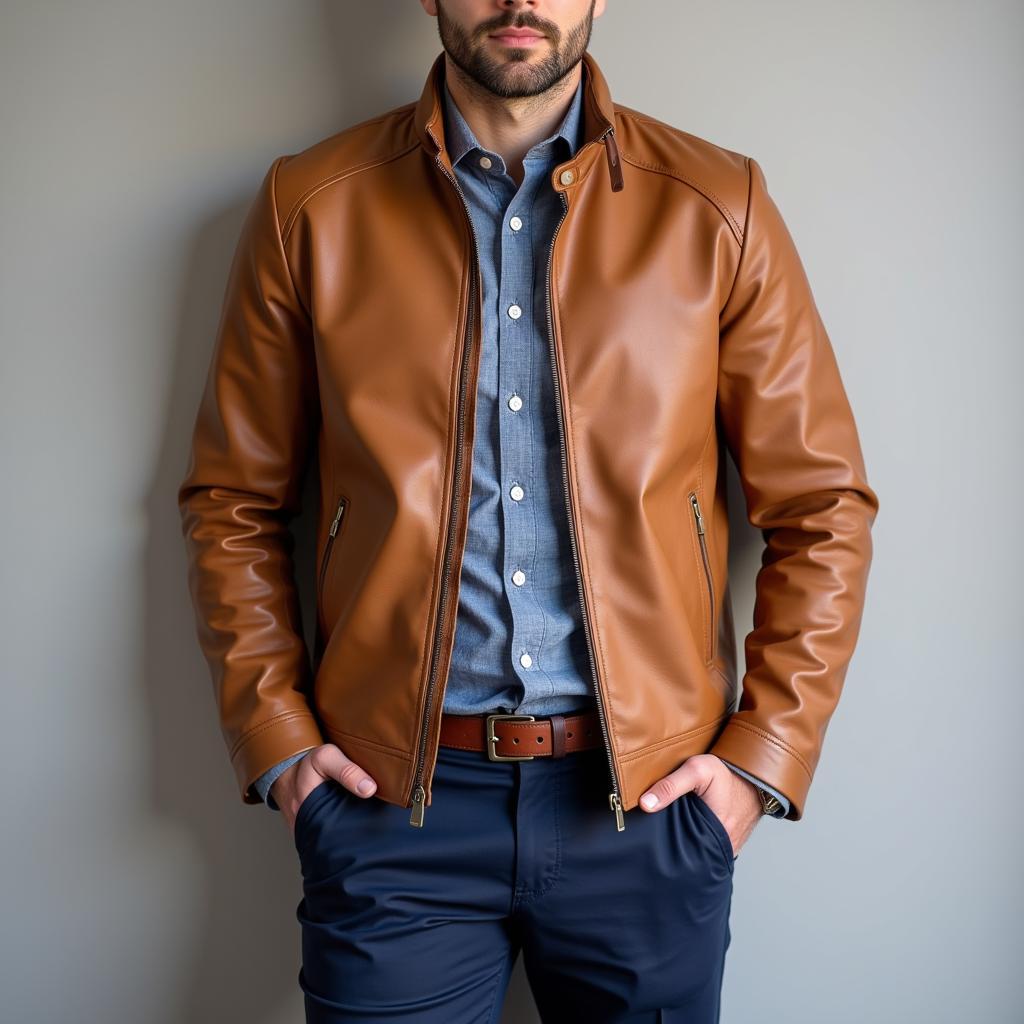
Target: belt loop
x,y
557,735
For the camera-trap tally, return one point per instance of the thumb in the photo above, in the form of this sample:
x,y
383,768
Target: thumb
x,y
332,761
690,775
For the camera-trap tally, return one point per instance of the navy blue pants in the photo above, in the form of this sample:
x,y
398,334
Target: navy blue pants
x,y
424,924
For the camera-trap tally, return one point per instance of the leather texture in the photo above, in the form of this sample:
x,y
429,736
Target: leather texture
x,y
684,327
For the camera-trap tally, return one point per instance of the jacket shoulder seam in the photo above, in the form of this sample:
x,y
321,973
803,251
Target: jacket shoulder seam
x,y
331,179
674,172
746,223
277,226
708,194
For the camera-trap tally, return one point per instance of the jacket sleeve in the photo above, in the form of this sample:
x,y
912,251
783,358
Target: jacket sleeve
x,y
255,424
789,426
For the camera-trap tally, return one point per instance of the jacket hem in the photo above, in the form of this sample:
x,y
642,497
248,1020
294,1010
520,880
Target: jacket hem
x,y
388,766
644,766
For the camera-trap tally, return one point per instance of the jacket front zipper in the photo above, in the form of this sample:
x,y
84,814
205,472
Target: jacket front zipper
x,y
709,643
615,796
419,792
332,533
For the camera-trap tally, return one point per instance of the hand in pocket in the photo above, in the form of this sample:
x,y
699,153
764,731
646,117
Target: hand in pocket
x,y
297,782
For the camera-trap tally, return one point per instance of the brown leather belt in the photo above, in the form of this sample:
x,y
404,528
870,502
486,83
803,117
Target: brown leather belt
x,y
512,737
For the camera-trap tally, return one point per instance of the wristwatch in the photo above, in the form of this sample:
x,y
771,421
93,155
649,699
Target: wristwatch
x,y
769,804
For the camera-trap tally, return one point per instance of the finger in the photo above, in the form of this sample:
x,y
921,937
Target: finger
x,y
332,761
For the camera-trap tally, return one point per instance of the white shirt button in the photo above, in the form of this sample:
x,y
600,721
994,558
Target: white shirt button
x,y
519,577
514,311
515,403
516,492
525,660
515,223
485,162
567,177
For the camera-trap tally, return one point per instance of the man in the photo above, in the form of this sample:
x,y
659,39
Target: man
x,y
521,325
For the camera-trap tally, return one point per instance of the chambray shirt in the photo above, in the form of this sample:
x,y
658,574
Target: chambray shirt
x,y
519,643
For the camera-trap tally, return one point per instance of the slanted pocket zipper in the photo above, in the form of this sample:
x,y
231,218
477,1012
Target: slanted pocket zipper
x,y
331,535
698,518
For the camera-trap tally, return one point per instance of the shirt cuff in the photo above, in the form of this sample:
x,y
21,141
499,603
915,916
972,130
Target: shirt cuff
x,y
269,777
781,812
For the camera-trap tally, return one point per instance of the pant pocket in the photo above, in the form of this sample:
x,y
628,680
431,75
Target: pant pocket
x,y
714,823
307,812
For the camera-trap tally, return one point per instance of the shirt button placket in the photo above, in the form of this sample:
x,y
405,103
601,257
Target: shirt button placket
x,y
514,225
514,362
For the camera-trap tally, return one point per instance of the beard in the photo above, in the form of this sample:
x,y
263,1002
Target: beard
x,y
519,72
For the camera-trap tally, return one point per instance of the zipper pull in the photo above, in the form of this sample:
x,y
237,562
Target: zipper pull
x,y
616,805
611,152
337,517
696,512
419,804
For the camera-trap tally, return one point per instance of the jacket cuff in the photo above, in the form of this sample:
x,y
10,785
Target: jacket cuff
x,y
769,758
267,744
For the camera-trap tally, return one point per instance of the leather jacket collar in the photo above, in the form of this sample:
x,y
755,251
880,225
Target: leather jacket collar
x,y
598,116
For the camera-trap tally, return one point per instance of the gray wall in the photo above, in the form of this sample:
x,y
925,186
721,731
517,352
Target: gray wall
x,y
134,884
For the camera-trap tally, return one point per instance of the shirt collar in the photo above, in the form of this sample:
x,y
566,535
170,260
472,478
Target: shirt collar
x,y
460,140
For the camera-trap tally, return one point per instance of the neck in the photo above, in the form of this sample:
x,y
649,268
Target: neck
x,y
511,126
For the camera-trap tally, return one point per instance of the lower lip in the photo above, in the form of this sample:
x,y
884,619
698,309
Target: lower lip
x,y
518,40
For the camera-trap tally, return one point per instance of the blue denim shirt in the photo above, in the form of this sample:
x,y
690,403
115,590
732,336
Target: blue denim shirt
x,y
519,643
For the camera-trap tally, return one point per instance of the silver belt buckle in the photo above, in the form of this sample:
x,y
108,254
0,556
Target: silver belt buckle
x,y
492,740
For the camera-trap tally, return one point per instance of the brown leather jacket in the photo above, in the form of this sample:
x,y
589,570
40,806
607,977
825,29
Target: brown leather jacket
x,y
682,326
